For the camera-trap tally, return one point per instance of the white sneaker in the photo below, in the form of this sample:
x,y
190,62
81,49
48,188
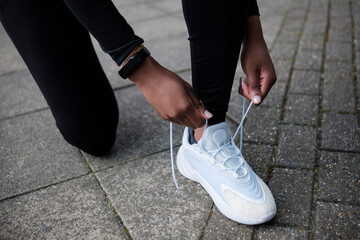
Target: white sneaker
x,y
218,165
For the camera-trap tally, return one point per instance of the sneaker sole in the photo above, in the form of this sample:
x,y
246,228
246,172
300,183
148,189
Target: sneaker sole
x,y
187,171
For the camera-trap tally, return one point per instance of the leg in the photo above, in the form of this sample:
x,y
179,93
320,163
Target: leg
x,y
61,58
215,33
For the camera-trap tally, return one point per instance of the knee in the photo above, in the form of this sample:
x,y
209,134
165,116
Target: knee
x,y
95,138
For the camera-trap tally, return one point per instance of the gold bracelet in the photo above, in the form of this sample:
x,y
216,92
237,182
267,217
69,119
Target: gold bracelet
x,y
134,51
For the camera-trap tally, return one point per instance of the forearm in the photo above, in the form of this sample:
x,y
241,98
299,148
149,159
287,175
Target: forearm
x,y
253,30
107,25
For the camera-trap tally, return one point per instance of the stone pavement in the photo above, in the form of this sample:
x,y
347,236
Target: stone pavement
x,y
303,140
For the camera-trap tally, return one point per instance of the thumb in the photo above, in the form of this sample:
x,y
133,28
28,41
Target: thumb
x,y
253,82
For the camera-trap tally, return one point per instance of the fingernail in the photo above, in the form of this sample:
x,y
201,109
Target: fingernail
x,y
208,114
256,99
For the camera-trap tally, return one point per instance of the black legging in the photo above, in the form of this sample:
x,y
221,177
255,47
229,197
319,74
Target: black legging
x,y
52,38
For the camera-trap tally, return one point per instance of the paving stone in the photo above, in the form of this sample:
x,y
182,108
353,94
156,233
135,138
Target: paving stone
x,y
289,36
76,209
140,131
297,13
308,60
338,52
34,154
338,90
340,35
340,132
160,28
292,190
220,227
261,123
169,7
276,95
10,60
358,73
305,82
144,196
337,221
271,26
310,42
292,24
340,23
176,59
301,109
283,50
339,175
340,10
140,13
297,147
19,94
282,68
280,233
259,158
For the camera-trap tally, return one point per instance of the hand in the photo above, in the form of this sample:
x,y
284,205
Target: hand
x,y
256,63
171,97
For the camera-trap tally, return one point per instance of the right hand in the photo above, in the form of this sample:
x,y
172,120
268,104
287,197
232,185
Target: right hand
x,y
171,97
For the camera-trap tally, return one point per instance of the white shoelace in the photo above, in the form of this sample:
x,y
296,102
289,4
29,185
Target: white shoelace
x,y
227,145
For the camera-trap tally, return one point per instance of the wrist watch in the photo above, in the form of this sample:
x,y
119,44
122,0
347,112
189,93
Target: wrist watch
x,y
133,61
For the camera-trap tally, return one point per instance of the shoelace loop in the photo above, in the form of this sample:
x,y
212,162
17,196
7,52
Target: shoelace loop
x,y
227,145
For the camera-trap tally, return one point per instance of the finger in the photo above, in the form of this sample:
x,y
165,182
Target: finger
x,y
267,84
198,113
254,87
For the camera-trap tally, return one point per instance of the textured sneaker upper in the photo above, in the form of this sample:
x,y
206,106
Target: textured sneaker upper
x,y
235,182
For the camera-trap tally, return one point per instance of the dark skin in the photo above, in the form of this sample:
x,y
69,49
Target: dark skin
x,y
174,99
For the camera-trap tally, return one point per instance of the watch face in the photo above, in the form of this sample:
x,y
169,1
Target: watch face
x,y
133,63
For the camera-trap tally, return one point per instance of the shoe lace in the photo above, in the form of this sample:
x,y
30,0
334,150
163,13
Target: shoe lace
x,y
223,147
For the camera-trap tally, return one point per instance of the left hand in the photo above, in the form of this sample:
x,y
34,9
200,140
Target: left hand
x,y
256,63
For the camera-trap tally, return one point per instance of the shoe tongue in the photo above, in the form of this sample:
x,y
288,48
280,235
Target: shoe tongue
x,y
215,137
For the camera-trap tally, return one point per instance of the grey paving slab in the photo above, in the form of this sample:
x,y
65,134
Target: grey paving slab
x,y
160,28
19,94
144,196
283,50
282,68
340,23
336,51
297,147
261,123
271,26
340,132
176,59
33,155
290,36
10,60
308,60
340,35
280,233
292,24
338,177
169,7
337,221
76,209
139,13
305,82
140,131
220,227
315,26
259,158
358,73
338,88
292,190
301,109
310,42
276,95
